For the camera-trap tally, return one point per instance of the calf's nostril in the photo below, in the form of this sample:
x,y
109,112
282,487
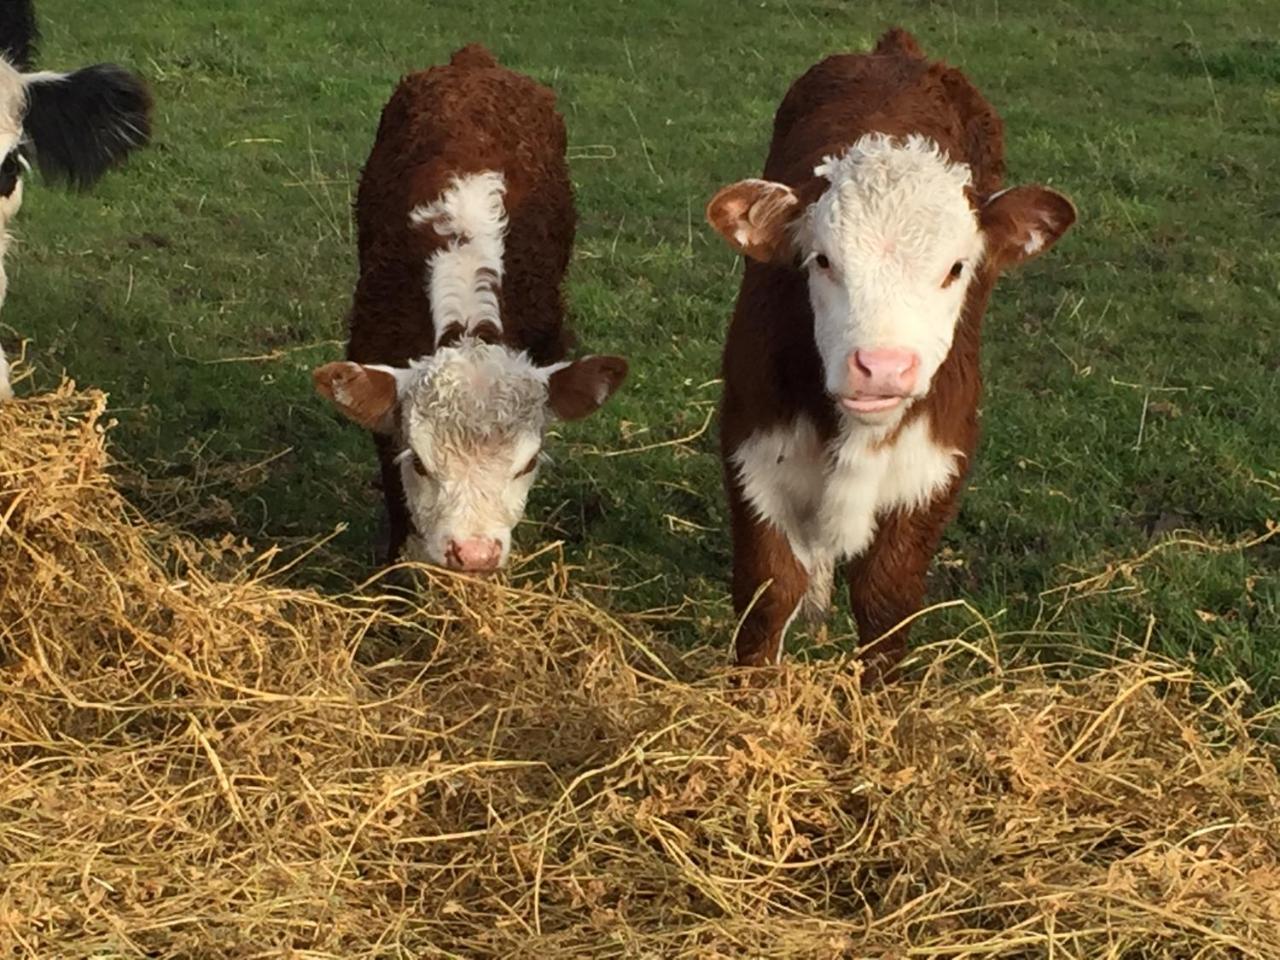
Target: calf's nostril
x,y
475,554
884,370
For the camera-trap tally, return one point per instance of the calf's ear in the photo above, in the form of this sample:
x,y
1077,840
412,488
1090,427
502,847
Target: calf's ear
x,y
755,217
580,388
367,395
1024,222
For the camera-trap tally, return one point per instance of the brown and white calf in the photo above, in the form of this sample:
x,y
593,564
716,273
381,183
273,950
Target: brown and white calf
x,y
76,125
851,375
456,363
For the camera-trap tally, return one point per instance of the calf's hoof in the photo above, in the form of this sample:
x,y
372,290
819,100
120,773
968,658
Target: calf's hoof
x,y
757,655
879,670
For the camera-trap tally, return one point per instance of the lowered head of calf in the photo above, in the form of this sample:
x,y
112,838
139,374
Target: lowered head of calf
x,y
469,423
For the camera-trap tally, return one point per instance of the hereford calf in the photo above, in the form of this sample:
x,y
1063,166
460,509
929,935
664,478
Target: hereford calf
x,y
851,376
76,125
455,361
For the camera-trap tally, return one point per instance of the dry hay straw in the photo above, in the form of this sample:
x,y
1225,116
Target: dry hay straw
x,y
201,761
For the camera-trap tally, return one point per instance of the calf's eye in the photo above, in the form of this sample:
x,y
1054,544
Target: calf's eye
x,y
953,275
419,467
528,467
10,174
822,262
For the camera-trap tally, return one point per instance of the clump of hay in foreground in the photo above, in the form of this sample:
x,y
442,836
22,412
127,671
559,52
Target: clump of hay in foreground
x,y
197,761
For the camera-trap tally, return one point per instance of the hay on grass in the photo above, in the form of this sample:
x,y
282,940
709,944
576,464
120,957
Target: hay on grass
x,y
197,760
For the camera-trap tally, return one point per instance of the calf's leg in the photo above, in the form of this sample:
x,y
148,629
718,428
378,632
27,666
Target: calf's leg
x,y
398,524
887,583
762,555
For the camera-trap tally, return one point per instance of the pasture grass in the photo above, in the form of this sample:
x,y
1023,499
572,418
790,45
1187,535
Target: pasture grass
x,y
1133,374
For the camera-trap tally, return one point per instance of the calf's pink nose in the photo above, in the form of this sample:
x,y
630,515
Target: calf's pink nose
x,y
883,372
474,554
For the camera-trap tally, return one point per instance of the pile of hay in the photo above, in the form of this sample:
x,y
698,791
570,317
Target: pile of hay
x,y
198,761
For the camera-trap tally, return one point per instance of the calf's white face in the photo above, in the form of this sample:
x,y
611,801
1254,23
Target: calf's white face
x,y
12,104
890,246
886,248
10,201
470,420
472,424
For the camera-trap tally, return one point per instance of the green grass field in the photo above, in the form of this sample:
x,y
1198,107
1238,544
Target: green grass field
x,y
1133,373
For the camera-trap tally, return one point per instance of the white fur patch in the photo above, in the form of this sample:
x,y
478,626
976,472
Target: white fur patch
x,y
827,501
465,277
894,221
782,472
6,391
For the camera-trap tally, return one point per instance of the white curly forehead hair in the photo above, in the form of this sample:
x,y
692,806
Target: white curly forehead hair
x,y
474,394
470,420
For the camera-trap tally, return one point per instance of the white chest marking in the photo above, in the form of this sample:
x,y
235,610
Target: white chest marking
x,y
828,500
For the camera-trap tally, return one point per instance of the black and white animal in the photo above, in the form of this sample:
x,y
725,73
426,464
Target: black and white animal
x,y
74,126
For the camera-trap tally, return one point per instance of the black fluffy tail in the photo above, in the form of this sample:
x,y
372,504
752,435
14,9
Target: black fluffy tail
x,y
83,123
